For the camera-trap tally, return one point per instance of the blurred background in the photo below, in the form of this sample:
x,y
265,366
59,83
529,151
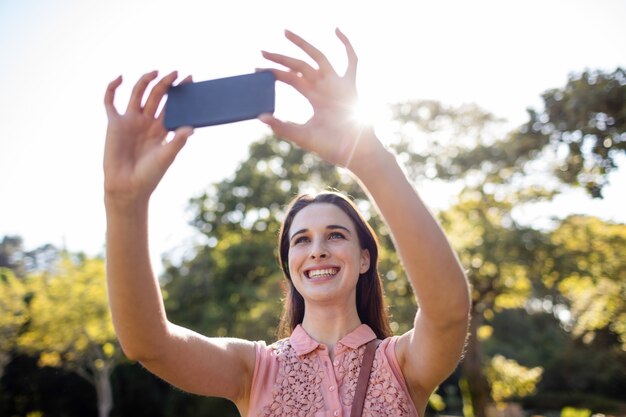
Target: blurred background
x,y
510,118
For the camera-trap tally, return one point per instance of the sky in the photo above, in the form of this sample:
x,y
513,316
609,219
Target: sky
x,y
56,58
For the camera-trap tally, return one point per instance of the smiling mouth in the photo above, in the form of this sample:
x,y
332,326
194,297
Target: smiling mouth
x,y
322,273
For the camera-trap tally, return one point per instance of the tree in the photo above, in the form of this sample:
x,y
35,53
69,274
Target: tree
x,y
11,254
509,379
536,336
500,257
590,272
578,135
13,313
69,324
21,261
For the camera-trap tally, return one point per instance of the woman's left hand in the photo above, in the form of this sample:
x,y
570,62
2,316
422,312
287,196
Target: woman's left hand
x,y
332,132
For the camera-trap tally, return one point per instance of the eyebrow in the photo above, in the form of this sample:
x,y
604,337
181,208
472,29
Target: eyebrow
x,y
329,227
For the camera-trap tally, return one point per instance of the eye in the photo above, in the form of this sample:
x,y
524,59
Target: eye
x,y
336,235
300,239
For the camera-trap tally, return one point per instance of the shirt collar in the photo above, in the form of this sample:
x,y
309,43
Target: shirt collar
x,y
304,344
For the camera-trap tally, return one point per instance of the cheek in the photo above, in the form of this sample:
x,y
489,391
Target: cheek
x,y
294,258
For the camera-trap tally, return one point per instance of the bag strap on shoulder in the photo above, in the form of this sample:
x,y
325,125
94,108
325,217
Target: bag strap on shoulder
x,y
364,377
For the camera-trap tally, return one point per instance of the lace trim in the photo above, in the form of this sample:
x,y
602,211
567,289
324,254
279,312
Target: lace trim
x,y
297,390
384,396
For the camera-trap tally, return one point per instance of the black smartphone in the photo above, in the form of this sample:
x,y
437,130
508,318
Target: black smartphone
x,y
219,101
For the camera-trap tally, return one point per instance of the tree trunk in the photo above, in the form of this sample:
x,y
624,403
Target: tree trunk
x,y
5,358
104,391
473,371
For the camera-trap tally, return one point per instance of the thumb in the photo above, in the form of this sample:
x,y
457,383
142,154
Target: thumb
x,y
291,131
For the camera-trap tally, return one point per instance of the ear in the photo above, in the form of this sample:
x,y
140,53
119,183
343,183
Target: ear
x,y
365,261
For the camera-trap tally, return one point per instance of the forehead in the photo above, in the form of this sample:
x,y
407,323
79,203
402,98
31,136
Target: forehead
x,y
320,215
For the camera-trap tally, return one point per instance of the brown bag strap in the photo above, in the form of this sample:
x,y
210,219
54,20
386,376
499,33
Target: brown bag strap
x,y
364,378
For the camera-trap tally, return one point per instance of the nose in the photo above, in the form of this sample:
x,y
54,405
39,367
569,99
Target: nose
x,y
319,250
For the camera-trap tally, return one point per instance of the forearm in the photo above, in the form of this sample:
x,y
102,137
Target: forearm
x,y
134,295
431,265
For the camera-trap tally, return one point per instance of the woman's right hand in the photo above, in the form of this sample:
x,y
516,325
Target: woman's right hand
x,y
136,154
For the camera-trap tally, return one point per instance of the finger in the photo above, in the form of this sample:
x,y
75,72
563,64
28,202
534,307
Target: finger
x,y
138,90
321,60
109,96
352,57
293,79
292,63
291,131
157,93
161,115
171,149
187,79
161,119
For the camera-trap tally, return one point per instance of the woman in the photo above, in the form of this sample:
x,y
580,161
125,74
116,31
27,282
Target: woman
x,y
325,253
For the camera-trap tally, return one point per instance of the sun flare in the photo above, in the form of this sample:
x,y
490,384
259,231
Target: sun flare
x,y
365,112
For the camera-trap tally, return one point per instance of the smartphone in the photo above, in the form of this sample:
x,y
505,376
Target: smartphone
x,y
219,101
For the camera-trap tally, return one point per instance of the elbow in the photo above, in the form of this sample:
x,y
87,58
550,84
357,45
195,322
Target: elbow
x,y
143,349
136,353
142,344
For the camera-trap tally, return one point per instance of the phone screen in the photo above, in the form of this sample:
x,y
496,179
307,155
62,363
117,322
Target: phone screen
x,y
219,101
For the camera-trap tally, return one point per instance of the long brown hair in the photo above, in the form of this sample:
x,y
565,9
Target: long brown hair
x,y
369,291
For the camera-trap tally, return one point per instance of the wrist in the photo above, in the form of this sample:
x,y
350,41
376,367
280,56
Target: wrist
x,y
374,158
124,204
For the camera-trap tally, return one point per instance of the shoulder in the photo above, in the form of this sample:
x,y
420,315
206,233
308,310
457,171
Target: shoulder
x,y
266,354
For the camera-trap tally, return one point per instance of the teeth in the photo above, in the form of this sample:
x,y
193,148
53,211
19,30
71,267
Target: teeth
x,y
322,272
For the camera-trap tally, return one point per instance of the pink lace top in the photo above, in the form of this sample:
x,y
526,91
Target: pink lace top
x,y
295,377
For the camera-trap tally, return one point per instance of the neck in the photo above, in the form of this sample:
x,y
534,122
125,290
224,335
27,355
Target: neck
x,y
328,324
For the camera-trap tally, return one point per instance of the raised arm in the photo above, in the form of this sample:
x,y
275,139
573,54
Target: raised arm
x,y
430,351
136,157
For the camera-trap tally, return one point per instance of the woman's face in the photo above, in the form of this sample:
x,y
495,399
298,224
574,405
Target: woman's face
x,y
325,257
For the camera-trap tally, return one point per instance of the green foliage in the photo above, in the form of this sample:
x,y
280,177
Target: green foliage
x,y
574,140
587,121
435,401
13,308
11,254
14,257
435,140
575,412
578,135
70,324
509,379
589,266
498,254
13,313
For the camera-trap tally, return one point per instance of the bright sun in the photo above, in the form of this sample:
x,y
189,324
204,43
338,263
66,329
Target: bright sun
x,y
367,112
